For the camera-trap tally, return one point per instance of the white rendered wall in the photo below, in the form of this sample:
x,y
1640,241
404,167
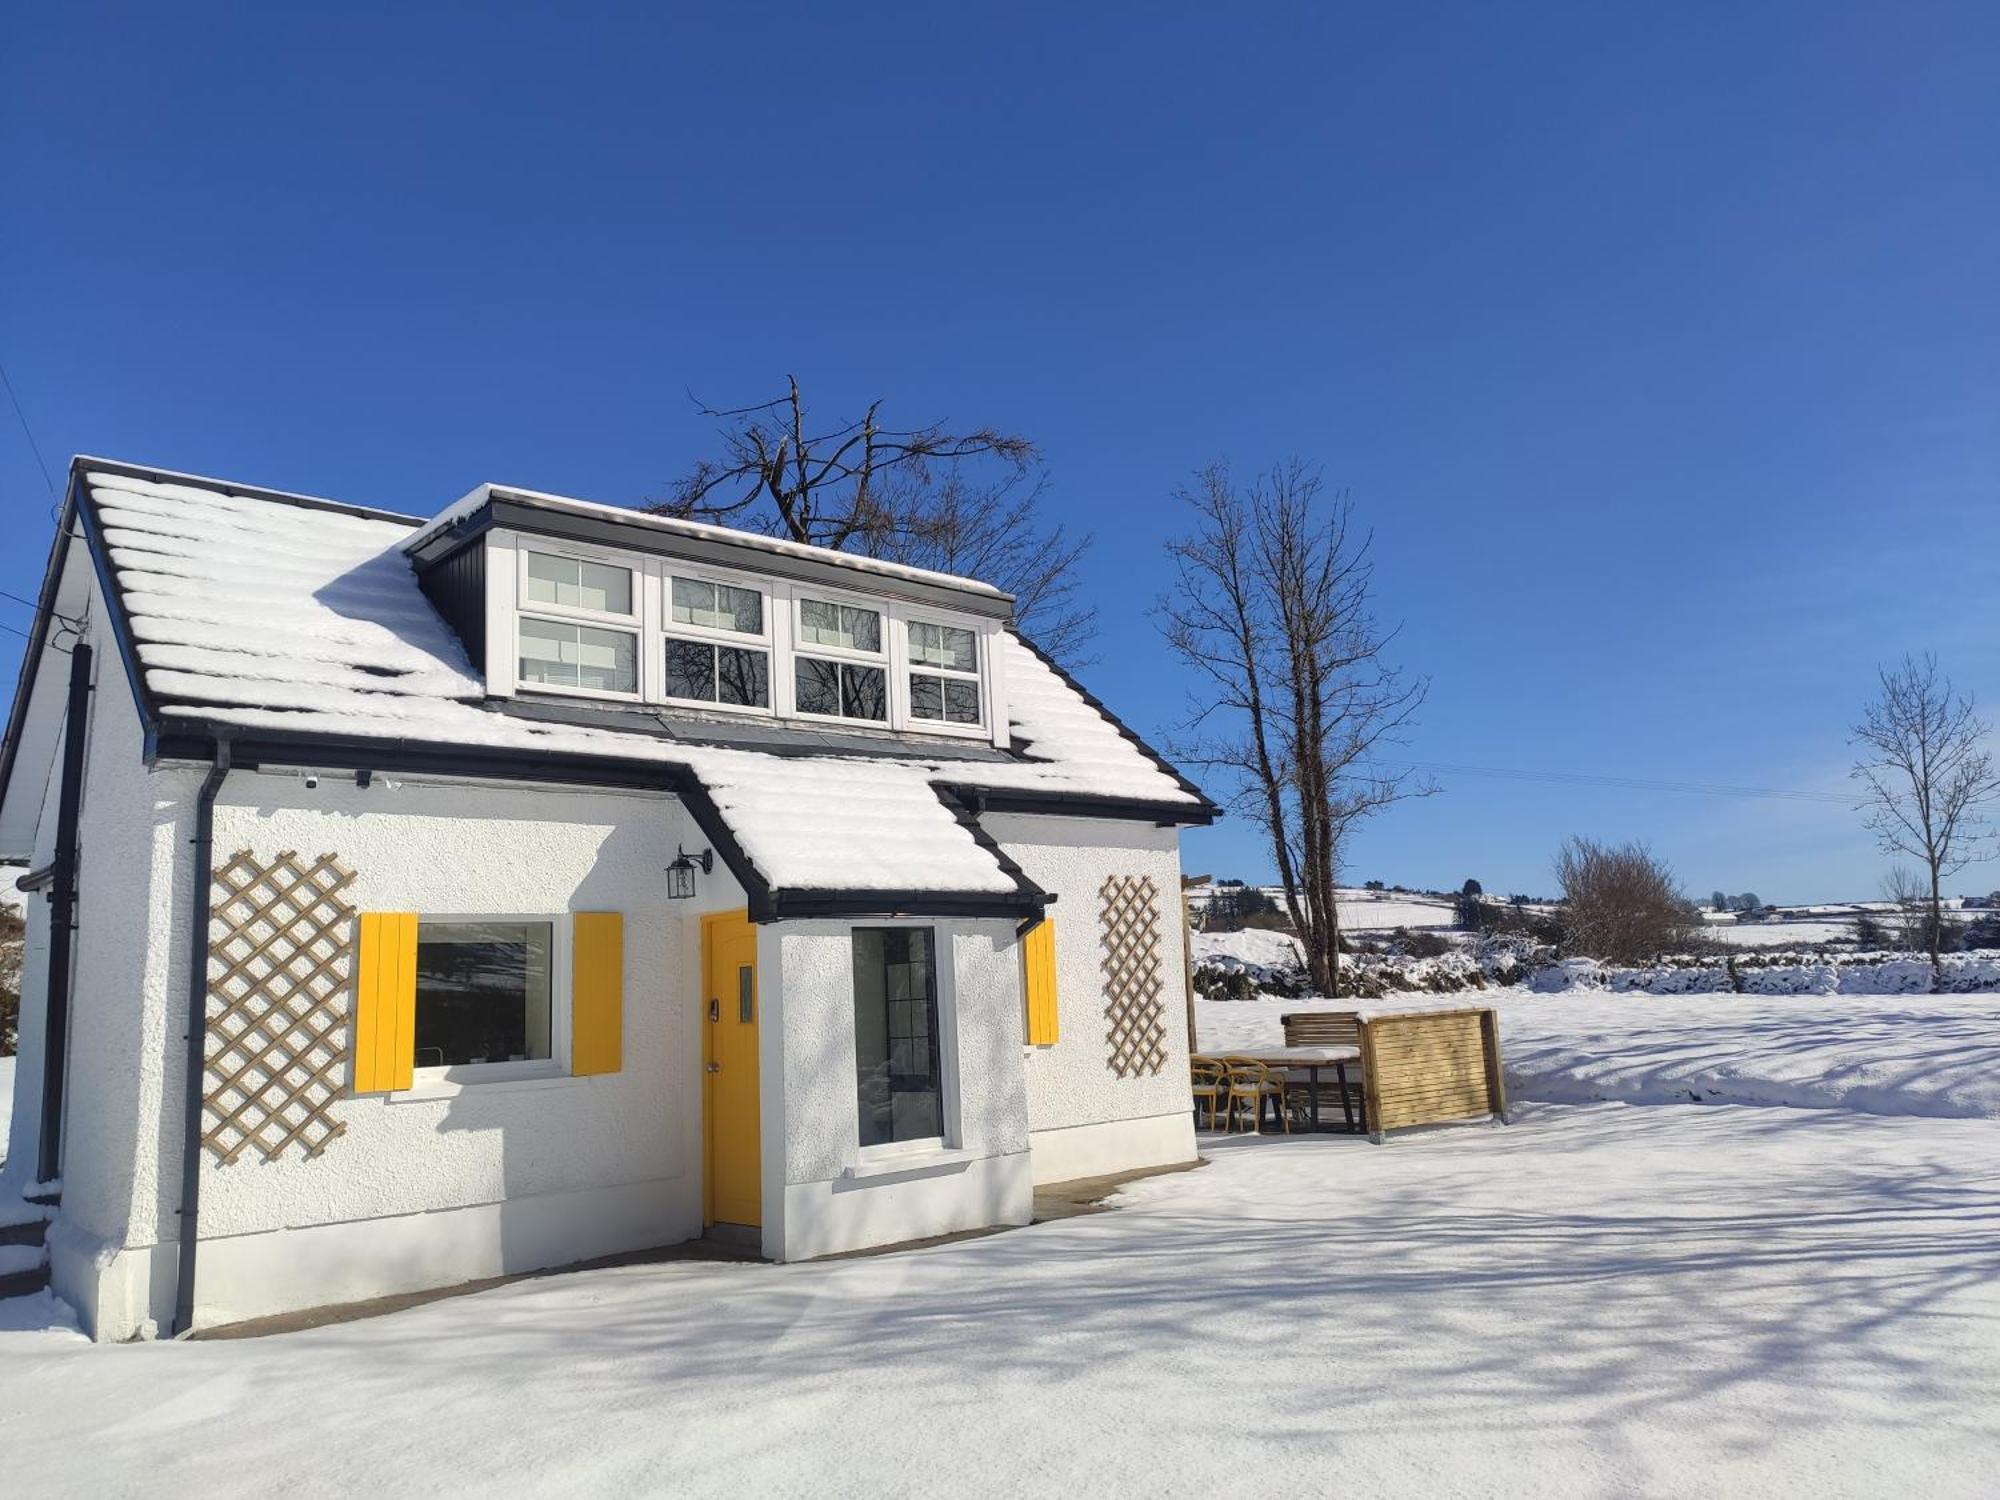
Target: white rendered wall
x,y
1085,1120
424,1188
822,1192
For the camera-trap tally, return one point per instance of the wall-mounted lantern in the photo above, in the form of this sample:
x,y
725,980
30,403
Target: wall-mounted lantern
x,y
680,874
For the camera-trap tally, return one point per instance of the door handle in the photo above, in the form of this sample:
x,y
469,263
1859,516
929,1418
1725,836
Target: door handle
x,y
715,1067
714,1009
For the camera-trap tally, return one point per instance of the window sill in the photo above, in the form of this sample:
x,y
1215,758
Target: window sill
x,y
427,1089
933,1162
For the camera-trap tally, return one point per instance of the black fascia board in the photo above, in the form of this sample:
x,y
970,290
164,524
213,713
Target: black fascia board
x,y
742,557
982,799
792,906
958,807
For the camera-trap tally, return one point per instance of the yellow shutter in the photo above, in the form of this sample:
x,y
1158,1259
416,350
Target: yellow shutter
x,y
597,992
385,1002
1038,982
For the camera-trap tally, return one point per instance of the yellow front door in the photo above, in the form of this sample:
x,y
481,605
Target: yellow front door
x,y
733,1180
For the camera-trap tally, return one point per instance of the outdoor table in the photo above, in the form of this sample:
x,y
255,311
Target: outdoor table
x,y
1310,1060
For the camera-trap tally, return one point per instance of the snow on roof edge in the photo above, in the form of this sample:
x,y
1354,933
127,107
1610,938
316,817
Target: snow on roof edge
x,y
471,501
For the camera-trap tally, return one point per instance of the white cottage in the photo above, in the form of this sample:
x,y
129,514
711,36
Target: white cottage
x,y
559,881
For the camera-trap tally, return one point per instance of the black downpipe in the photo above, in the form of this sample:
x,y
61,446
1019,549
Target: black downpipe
x,y
62,918
200,910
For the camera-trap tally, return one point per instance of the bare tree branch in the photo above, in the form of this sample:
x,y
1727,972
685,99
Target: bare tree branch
x,y
957,502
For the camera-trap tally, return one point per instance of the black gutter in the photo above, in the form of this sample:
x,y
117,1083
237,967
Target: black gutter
x,y
200,910
1033,897
62,918
985,799
789,906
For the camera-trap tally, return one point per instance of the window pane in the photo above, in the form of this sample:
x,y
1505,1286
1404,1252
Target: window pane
x,y
961,701
864,692
926,697
694,601
943,646
575,584
818,684
483,992
691,670
895,1036
743,677
824,624
564,655
718,606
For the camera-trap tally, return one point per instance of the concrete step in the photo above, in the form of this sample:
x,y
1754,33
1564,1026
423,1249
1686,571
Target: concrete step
x,y
24,1283
33,1232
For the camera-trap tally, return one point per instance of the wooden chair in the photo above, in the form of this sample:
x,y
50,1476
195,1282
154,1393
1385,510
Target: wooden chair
x,y
1211,1086
1251,1084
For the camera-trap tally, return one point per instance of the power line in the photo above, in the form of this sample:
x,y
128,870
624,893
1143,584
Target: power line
x,y
27,431
1627,783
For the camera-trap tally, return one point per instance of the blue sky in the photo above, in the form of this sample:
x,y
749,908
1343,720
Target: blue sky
x,y
1660,346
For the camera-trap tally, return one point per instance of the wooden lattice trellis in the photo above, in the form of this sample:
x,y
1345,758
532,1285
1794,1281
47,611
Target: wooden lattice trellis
x,y
280,964
1132,982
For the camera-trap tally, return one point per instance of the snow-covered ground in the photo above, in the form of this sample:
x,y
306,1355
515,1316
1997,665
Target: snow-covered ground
x,y
1370,911
1599,1299
1931,1055
1804,934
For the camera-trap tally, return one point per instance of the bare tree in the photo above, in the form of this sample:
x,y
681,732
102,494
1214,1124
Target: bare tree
x,y
1909,897
958,502
1621,903
1927,777
1272,609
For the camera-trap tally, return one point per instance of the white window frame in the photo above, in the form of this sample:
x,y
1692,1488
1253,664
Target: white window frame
x,y
982,654
883,658
557,1063
582,553
632,624
666,628
945,973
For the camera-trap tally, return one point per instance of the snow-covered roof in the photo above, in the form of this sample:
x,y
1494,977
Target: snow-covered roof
x,y
260,616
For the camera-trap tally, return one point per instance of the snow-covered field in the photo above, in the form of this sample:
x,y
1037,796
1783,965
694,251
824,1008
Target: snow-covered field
x,y
1374,911
1928,1055
1599,1299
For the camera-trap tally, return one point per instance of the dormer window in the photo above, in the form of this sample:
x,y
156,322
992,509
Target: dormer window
x,y
717,648
944,673
567,637
576,583
800,640
840,667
